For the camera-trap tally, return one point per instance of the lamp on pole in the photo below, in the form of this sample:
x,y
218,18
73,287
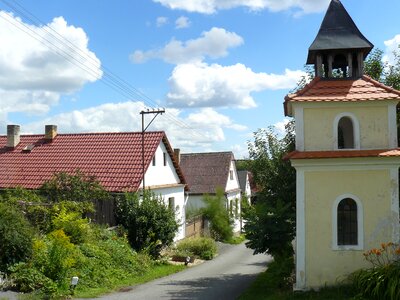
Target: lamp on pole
x,y
155,112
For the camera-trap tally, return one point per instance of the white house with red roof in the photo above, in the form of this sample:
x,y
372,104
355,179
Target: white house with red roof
x,y
205,173
115,159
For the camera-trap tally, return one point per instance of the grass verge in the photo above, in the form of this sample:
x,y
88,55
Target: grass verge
x,y
155,272
271,285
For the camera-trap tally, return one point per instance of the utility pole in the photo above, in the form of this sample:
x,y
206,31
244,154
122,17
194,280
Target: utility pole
x,y
156,112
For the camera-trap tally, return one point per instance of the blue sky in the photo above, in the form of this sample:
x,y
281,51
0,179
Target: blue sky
x,y
220,68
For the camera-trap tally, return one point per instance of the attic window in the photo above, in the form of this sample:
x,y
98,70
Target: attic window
x,y
231,175
154,160
28,148
165,158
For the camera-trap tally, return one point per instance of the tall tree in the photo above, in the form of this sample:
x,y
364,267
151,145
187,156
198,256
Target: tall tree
x,y
270,223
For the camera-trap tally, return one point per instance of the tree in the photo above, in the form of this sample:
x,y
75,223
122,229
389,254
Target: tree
x,y
77,187
270,223
151,224
221,222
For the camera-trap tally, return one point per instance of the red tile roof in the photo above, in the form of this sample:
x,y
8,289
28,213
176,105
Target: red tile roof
x,y
205,172
343,154
341,90
114,158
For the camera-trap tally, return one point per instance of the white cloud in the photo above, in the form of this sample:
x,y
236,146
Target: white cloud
x,y
280,127
213,44
392,46
212,6
182,22
203,85
206,125
161,21
32,75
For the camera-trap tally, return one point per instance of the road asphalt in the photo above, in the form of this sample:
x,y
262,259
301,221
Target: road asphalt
x,y
224,277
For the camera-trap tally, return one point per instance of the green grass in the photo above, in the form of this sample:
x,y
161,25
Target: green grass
x,y
270,285
153,273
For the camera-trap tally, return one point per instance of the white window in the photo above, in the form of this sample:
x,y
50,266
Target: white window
x,y
347,231
230,175
171,202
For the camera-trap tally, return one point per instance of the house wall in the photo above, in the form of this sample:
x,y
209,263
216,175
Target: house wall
x,y
160,174
232,184
178,194
377,190
316,124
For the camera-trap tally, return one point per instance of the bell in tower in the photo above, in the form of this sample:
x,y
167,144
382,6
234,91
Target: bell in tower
x,y
340,48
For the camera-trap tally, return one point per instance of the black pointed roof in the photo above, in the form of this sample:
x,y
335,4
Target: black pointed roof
x,y
338,31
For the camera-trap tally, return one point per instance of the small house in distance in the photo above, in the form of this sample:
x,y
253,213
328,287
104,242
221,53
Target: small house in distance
x,y
244,182
115,159
204,173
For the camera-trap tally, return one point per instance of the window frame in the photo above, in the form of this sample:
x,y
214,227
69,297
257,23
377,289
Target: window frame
x,y
360,224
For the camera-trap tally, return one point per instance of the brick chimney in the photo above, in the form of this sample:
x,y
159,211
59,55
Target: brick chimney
x,y
50,132
13,135
177,154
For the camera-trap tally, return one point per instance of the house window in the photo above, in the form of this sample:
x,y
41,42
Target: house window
x,y
154,160
345,133
165,158
231,208
171,202
230,175
347,231
347,223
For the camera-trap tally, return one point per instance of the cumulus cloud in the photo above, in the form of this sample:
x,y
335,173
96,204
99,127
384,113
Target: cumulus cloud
x,y
392,46
161,21
32,75
182,22
206,125
203,85
212,6
213,44
280,127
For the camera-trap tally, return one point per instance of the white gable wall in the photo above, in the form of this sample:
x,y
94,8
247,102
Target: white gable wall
x,y
165,182
159,174
178,195
232,184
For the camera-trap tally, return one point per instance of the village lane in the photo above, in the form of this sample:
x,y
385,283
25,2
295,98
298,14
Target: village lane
x,y
225,277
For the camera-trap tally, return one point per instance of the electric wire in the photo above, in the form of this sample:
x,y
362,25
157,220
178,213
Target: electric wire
x,y
109,78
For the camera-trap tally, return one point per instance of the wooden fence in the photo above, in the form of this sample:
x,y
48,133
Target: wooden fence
x,y
195,226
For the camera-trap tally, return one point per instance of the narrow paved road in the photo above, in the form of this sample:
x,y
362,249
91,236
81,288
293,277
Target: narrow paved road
x,y
225,277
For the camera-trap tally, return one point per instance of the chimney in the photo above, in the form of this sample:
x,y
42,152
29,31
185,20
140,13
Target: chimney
x,y
177,154
13,136
50,132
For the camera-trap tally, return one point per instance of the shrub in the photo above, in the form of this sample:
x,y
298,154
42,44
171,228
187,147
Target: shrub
x,y
73,187
54,256
71,222
16,237
204,248
25,278
382,281
220,221
151,225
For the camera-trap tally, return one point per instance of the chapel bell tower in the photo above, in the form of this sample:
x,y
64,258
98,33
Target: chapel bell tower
x,y
346,159
340,48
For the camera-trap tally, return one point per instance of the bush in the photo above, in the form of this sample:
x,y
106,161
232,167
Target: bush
x,y
16,237
220,221
151,225
25,278
204,248
73,187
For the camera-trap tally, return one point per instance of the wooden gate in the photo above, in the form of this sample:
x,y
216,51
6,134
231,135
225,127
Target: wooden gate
x,y
195,226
